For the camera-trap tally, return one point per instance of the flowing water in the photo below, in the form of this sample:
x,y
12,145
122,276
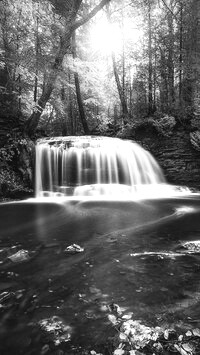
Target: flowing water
x,y
93,166
142,254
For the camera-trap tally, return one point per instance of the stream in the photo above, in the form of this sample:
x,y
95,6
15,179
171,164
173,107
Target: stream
x,y
143,256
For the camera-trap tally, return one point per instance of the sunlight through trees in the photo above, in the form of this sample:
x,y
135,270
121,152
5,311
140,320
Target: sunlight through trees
x,y
133,59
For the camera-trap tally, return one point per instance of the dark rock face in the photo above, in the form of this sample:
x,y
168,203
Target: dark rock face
x,y
175,154
16,168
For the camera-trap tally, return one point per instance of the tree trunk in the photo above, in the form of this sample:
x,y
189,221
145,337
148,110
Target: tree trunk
x,y
163,83
33,121
78,91
150,79
72,124
80,105
195,53
65,43
35,93
170,61
119,88
180,54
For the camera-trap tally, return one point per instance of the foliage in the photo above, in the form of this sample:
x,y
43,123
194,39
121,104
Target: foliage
x,y
27,32
12,149
154,57
164,125
59,331
134,338
15,163
11,184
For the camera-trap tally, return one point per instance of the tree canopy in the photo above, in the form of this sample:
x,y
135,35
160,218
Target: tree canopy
x,y
73,67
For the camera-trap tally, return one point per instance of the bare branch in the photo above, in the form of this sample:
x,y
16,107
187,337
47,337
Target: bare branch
x,y
122,8
168,8
90,15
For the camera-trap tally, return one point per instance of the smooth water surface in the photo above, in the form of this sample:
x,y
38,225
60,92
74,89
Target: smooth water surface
x,y
134,256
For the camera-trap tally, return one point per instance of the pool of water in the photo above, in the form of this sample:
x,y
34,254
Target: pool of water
x,y
143,256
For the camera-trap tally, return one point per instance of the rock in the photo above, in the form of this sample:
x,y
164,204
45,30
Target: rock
x,y
192,246
6,298
73,249
195,140
164,125
175,154
56,329
20,256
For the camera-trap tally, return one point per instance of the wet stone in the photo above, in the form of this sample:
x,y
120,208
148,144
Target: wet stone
x,y
20,256
57,330
192,246
74,248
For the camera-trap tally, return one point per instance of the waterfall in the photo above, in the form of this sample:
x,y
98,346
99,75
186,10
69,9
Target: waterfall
x,y
75,166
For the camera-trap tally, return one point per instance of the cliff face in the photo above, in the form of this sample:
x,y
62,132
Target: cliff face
x,y
175,154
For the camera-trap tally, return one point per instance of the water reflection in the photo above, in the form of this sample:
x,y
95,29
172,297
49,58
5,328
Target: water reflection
x,y
135,255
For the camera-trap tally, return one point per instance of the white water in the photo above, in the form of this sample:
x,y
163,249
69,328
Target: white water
x,y
95,166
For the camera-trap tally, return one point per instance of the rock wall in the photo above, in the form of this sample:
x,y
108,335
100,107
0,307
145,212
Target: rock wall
x,y
175,154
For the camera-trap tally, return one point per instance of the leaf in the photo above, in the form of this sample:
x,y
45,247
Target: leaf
x,y
115,308
196,332
112,319
90,101
180,350
45,349
187,347
158,346
189,333
166,334
127,316
118,352
122,336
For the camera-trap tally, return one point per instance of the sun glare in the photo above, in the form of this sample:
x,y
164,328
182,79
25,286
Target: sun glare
x,y
106,38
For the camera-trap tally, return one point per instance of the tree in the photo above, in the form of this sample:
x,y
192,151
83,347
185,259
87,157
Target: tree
x,y
78,90
71,24
120,83
195,60
150,55
180,4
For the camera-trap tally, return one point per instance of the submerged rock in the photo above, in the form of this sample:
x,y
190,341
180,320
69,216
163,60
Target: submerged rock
x,y
192,246
15,254
20,256
56,329
134,338
73,249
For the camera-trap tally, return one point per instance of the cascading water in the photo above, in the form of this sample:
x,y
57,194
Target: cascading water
x,y
92,166
111,239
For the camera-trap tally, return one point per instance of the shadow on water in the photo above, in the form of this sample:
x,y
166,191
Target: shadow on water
x,y
143,256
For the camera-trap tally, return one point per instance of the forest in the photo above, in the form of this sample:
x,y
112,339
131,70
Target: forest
x,y
104,260
94,67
